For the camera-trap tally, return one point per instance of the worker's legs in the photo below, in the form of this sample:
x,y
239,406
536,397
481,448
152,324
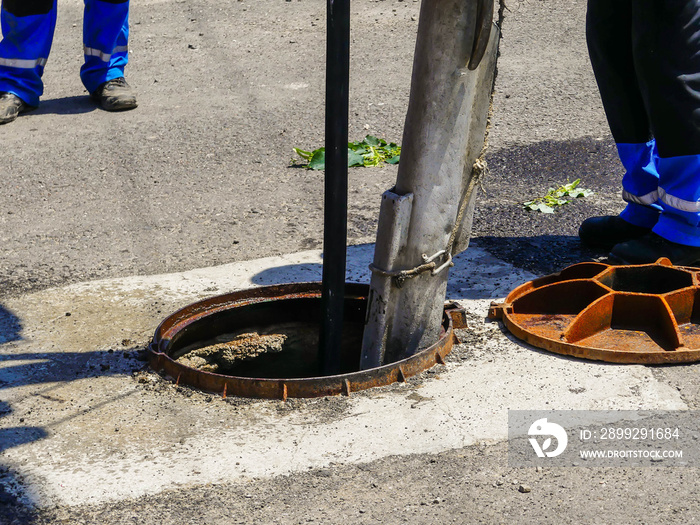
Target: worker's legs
x,y
666,48
27,28
667,58
105,41
609,32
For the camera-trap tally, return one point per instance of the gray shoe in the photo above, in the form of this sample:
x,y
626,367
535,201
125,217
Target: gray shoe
x,y
11,106
115,95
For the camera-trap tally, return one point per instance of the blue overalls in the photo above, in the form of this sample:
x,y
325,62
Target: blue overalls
x,y
28,28
646,59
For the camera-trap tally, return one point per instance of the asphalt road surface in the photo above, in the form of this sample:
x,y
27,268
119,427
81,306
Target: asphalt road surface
x,y
200,175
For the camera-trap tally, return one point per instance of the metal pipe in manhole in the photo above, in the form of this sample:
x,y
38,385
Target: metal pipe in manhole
x,y
263,342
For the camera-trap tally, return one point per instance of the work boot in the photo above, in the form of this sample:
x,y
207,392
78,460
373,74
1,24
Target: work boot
x,y
607,231
11,106
651,248
115,95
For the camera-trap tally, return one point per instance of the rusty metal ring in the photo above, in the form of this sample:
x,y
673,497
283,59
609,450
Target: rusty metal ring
x,y
200,313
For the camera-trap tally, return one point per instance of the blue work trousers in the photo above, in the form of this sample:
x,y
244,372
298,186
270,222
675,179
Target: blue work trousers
x,y
646,59
28,29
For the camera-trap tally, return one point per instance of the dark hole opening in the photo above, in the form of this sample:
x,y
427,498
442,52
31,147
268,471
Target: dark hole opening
x,y
647,279
296,319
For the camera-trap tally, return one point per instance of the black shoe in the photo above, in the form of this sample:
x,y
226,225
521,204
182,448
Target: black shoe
x,y
115,95
11,106
607,231
650,248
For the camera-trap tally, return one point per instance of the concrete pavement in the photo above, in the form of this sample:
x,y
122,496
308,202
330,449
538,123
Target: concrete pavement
x,y
80,426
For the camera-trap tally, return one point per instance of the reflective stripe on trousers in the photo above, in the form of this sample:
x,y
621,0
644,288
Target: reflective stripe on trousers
x,y
27,40
24,51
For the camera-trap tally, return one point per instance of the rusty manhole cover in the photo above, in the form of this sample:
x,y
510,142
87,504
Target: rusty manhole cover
x,y
623,314
278,327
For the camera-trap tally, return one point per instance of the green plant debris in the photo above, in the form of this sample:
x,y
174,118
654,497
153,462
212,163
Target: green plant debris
x,y
557,197
370,151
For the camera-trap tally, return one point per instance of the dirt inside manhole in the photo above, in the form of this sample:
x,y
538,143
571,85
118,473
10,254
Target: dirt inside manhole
x,y
223,357
279,350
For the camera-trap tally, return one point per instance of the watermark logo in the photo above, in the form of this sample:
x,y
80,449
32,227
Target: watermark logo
x,y
604,438
542,428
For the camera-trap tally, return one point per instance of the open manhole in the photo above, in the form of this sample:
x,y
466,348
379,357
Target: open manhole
x,y
623,314
263,342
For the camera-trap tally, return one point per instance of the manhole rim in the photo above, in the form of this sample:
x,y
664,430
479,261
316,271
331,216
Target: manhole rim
x,y
283,388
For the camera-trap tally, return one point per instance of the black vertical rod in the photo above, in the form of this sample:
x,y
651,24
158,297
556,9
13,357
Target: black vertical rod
x,y
335,210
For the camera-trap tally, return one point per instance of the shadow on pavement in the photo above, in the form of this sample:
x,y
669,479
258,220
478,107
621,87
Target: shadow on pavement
x,y
539,254
291,273
22,369
12,508
64,106
10,326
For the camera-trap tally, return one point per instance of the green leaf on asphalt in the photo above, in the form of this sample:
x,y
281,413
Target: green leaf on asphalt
x,y
370,151
318,159
372,140
306,155
355,159
555,197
